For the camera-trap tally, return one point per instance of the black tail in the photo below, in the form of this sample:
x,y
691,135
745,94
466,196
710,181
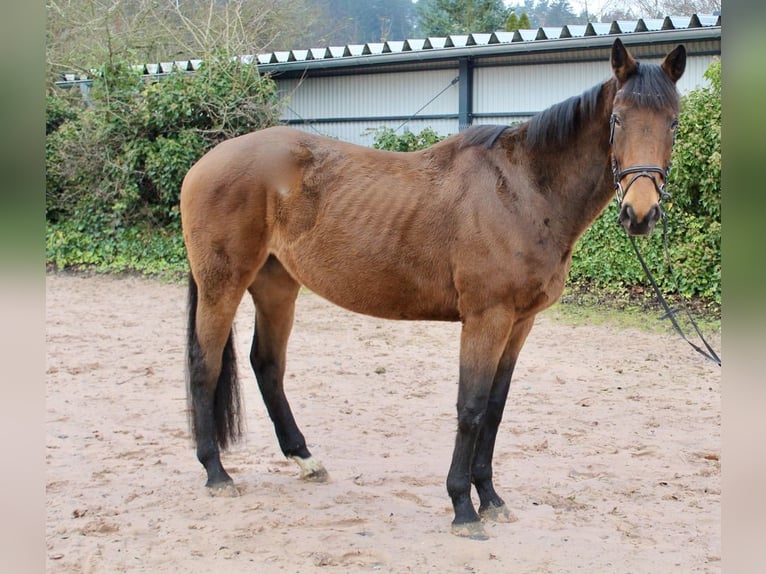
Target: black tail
x,y
226,402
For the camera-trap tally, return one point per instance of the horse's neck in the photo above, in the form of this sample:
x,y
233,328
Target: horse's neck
x,y
582,183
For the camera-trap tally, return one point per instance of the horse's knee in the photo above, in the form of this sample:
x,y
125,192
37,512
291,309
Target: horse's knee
x,y
471,416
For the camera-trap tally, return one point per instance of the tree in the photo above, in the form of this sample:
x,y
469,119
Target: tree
x,y
512,22
84,34
551,13
445,17
560,14
354,22
632,9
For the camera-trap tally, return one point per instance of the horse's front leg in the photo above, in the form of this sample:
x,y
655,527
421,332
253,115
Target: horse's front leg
x,y
491,506
482,342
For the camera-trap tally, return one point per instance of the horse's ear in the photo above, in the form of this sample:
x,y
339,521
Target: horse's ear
x,y
623,64
675,63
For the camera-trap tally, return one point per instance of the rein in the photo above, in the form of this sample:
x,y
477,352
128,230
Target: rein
x,y
709,354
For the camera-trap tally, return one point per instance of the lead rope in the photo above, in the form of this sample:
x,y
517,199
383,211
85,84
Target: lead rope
x,y
710,354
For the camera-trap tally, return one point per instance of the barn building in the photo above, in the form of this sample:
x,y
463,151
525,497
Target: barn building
x,y
450,83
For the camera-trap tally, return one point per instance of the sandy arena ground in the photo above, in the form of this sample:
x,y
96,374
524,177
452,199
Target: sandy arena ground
x,y
608,454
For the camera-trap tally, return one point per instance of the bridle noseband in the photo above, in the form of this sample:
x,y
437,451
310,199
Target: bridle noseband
x,y
638,170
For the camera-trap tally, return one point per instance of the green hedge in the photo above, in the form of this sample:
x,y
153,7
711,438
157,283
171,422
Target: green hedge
x,y
114,167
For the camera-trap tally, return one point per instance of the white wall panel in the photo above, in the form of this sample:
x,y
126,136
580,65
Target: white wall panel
x,y
501,95
529,89
371,95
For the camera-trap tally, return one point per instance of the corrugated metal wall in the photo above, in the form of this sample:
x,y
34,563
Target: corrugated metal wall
x,y
506,94
349,107
378,100
443,88
365,95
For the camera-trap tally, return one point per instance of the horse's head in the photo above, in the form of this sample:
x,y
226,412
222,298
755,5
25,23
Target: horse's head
x,y
643,124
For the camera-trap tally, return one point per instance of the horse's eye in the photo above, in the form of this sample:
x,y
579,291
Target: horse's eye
x,y
674,124
617,120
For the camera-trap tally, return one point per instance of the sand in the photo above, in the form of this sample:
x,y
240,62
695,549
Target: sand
x,y
608,454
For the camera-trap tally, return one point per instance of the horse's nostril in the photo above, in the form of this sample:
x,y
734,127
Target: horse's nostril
x,y
627,215
654,213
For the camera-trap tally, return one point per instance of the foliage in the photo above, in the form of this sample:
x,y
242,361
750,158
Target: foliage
x,y
116,166
603,260
547,13
386,138
145,249
511,22
697,153
58,110
354,22
633,9
124,157
515,22
82,34
445,17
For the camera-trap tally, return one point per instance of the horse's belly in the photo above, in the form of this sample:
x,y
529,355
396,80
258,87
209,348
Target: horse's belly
x,y
386,292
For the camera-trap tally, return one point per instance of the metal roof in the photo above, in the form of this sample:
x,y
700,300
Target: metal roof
x,y
273,60
449,47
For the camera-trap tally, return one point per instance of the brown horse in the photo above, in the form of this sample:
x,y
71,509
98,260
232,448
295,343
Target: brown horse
x,y
478,228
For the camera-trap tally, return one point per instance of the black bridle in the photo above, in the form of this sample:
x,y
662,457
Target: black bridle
x,y
638,170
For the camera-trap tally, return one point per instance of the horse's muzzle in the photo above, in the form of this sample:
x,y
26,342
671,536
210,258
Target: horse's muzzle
x,y
635,226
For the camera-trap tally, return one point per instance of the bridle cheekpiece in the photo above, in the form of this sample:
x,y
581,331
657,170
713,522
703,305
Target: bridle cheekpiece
x,y
638,170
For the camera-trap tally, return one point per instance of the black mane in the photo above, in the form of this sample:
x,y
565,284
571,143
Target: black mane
x,y
649,87
482,135
557,124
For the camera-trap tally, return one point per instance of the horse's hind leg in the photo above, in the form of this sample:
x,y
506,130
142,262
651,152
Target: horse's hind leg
x,y
212,373
491,506
274,292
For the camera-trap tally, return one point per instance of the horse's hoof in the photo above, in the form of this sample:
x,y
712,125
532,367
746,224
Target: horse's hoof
x,y
223,489
472,530
497,514
311,469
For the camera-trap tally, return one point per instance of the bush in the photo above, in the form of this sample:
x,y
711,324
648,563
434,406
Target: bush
x,y
603,260
124,158
386,138
115,167
695,178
